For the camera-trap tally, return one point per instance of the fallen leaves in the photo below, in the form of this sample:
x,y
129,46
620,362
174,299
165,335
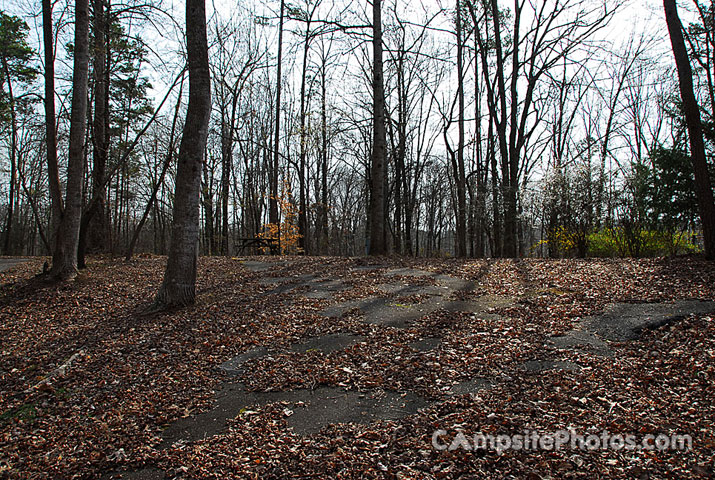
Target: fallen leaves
x,y
106,409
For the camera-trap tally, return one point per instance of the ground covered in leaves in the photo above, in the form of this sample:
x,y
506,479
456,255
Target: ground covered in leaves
x,y
89,383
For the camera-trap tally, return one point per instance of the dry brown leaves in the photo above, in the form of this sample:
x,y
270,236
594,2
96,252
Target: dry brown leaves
x,y
133,374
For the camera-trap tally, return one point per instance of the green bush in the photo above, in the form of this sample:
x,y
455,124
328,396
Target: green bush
x,y
603,244
616,242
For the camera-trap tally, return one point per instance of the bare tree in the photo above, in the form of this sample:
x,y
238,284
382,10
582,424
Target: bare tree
x,y
64,259
377,220
160,181
538,40
179,285
236,59
273,198
92,230
53,169
703,186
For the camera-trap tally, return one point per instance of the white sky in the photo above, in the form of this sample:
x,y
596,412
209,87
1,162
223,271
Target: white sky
x,y
636,15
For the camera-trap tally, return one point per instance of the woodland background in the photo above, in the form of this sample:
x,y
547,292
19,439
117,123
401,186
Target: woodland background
x,y
533,129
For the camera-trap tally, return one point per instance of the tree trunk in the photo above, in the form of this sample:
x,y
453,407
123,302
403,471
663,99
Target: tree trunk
x,y
322,224
303,242
378,244
51,121
13,158
64,260
179,285
273,187
92,230
460,177
703,187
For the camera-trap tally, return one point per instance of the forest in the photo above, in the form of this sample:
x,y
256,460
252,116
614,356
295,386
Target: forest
x,y
337,239
551,129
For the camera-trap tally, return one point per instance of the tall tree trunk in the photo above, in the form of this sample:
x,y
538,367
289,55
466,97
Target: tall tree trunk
x,y
480,161
303,242
92,230
400,154
51,121
703,187
322,224
378,244
460,177
179,285
227,128
64,260
208,205
273,177
13,158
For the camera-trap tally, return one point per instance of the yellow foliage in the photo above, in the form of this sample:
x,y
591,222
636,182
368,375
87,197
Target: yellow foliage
x,y
565,239
287,230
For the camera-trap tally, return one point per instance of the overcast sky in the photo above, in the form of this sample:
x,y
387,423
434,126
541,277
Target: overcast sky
x,y
163,38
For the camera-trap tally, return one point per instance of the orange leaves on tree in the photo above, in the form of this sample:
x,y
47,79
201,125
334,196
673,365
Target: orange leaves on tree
x,y
287,231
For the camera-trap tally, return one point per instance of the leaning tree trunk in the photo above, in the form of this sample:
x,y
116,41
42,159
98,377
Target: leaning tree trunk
x,y
703,187
152,198
378,245
179,285
64,259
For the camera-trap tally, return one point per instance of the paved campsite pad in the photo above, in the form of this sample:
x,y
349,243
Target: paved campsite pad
x,y
327,405
582,339
8,263
544,365
368,268
406,289
387,310
327,343
626,321
471,386
426,344
313,409
314,285
143,474
383,311
621,322
307,411
324,343
235,365
257,266
451,283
